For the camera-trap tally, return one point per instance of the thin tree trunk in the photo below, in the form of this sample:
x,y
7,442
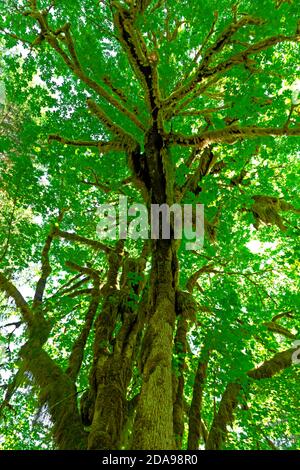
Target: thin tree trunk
x,y
112,369
195,419
178,377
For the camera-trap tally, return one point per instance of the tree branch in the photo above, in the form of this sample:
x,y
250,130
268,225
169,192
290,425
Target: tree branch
x,y
201,48
230,135
11,291
102,146
144,64
91,272
59,391
280,330
205,71
76,357
54,38
13,385
85,241
203,112
229,401
288,314
126,139
46,268
222,40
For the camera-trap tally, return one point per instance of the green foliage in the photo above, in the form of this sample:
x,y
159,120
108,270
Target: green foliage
x,y
252,270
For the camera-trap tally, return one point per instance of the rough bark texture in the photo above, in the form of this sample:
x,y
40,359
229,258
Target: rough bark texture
x,y
59,392
180,348
113,358
224,417
195,420
229,401
153,428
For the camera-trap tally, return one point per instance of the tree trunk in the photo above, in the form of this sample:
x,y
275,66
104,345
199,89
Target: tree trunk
x,y
153,427
180,348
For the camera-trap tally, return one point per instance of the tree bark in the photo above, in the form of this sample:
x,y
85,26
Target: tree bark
x,y
153,426
178,378
229,401
195,419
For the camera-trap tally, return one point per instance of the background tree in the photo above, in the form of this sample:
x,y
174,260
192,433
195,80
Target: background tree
x,y
146,345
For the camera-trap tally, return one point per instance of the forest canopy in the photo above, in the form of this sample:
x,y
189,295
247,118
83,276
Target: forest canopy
x,y
134,343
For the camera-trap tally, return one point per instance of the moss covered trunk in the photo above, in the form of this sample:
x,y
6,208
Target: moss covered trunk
x,y
59,392
153,427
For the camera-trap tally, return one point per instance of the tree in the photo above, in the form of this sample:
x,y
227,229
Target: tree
x,y
144,345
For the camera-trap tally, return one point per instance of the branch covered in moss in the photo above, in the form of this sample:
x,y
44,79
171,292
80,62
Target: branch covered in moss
x,y
59,392
96,245
280,330
266,210
10,290
222,40
76,356
230,135
240,58
230,398
126,139
144,63
61,37
46,268
102,146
